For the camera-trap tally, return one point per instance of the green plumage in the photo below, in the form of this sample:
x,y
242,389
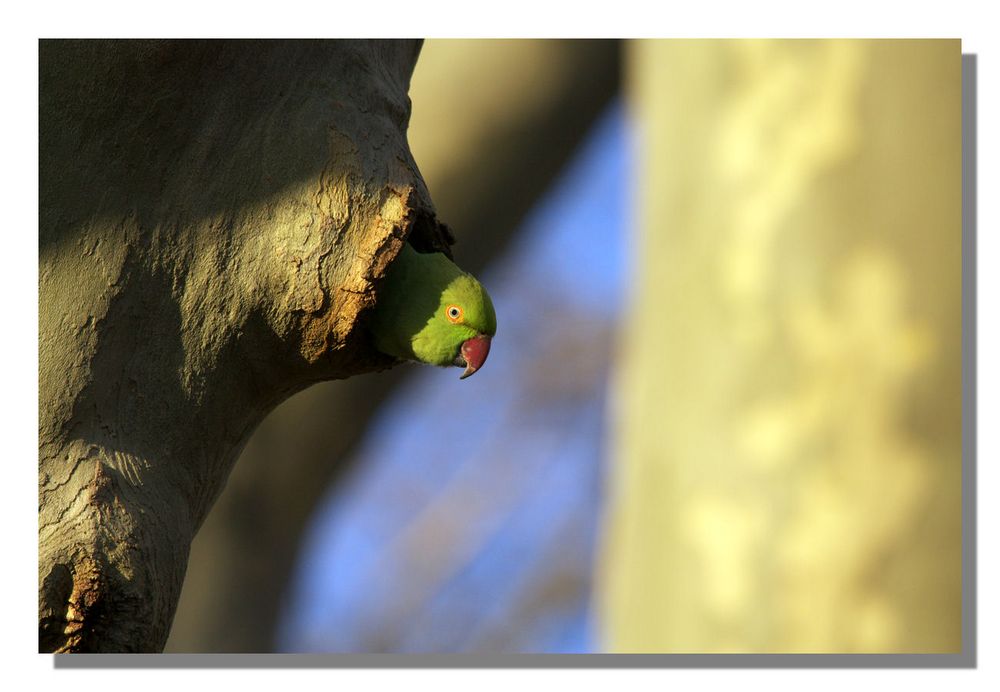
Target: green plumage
x,y
411,320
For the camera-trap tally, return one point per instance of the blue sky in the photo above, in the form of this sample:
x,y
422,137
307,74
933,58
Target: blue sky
x,y
470,520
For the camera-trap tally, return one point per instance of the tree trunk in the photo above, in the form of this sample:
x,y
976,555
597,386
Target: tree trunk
x,y
214,218
788,455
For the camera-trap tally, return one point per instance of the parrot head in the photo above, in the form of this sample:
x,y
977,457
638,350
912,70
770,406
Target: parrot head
x,y
431,311
460,330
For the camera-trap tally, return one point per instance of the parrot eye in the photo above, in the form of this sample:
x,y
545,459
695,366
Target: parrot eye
x,y
454,313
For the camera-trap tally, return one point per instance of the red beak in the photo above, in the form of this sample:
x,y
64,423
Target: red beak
x,y
474,352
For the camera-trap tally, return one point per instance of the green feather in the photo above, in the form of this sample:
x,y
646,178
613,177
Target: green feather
x,y
409,320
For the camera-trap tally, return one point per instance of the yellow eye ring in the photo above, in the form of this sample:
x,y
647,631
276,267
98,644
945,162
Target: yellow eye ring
x,y
453,313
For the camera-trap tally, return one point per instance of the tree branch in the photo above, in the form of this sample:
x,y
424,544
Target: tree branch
x,y
214,217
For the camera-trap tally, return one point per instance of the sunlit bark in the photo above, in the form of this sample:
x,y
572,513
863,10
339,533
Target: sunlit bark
x,y
214,217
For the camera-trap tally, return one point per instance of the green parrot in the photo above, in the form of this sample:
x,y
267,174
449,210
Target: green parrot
x,y
431,311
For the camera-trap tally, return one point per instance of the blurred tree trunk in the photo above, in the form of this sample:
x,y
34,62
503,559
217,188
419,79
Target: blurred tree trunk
x,y
493,123
213,218
788,456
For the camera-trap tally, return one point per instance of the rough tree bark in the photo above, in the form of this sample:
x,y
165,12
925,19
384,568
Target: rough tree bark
x,y
214,218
